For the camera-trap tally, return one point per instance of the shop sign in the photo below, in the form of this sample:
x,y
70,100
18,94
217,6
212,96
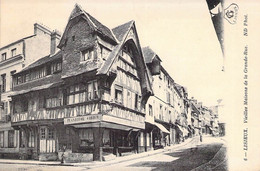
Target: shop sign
x,y
82,119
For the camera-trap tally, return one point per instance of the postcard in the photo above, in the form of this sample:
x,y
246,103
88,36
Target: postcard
x,y
129,85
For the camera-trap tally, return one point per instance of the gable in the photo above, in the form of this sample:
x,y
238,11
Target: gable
x,y
98,27
129,38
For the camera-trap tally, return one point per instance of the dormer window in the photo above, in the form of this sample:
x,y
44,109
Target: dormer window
x,y
87,55
3,56
13,52
56,67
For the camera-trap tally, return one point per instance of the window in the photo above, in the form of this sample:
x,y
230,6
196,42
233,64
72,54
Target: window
x,y
1,139
24,105
168,97
104,52
150,110
47,133
31,139
87,55
12,78
11,139
5,108
161,112
50,134
86,137
3,77
53,102
48,70
106,137
136,101
22,138
119,94
81,93
43,132
56,67
13,52
3,56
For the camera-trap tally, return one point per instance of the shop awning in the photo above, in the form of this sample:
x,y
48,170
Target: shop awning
x,y
162,128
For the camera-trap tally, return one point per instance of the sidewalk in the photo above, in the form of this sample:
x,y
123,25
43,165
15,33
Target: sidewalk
x,y
94,164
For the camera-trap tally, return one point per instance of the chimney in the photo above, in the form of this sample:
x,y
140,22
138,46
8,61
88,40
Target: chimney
x,y
55,39
41,29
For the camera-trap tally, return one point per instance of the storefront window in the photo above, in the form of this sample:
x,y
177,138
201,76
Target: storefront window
x,y
106,137
31,139
11,139
2,139
22,139
141,139
148,139
86,137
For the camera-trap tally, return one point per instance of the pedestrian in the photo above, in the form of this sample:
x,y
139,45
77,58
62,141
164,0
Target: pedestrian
x,y
200,137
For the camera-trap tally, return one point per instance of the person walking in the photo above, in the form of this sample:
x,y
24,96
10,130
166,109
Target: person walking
x,y
200,137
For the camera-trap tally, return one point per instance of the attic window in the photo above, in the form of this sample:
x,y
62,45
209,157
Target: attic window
x,y
87,55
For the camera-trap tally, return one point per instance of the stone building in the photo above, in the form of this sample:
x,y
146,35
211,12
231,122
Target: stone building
x,y
14,57
87,98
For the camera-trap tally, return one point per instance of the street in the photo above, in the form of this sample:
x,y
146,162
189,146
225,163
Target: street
x,y
196,156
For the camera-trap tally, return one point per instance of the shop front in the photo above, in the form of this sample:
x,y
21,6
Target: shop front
x,y
159,135
38,139
104,136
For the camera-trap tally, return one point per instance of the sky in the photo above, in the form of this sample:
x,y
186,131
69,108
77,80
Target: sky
x,y
180,32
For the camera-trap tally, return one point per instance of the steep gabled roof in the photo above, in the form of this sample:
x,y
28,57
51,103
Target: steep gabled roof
x,y
95,24
102,28
121,33
149,54
42,61
121,30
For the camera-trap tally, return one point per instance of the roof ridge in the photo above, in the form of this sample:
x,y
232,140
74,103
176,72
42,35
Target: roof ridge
x,y
123,24
87,15
19,40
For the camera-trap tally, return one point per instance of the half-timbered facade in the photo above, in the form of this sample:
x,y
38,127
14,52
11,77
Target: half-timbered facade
x,y
14,57
87,98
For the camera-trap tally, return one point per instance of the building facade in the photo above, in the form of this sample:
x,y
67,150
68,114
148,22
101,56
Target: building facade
x,y
88,98
14,57
93,93
167,110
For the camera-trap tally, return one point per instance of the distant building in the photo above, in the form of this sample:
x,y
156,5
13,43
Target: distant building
x,y
218,120
14,57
